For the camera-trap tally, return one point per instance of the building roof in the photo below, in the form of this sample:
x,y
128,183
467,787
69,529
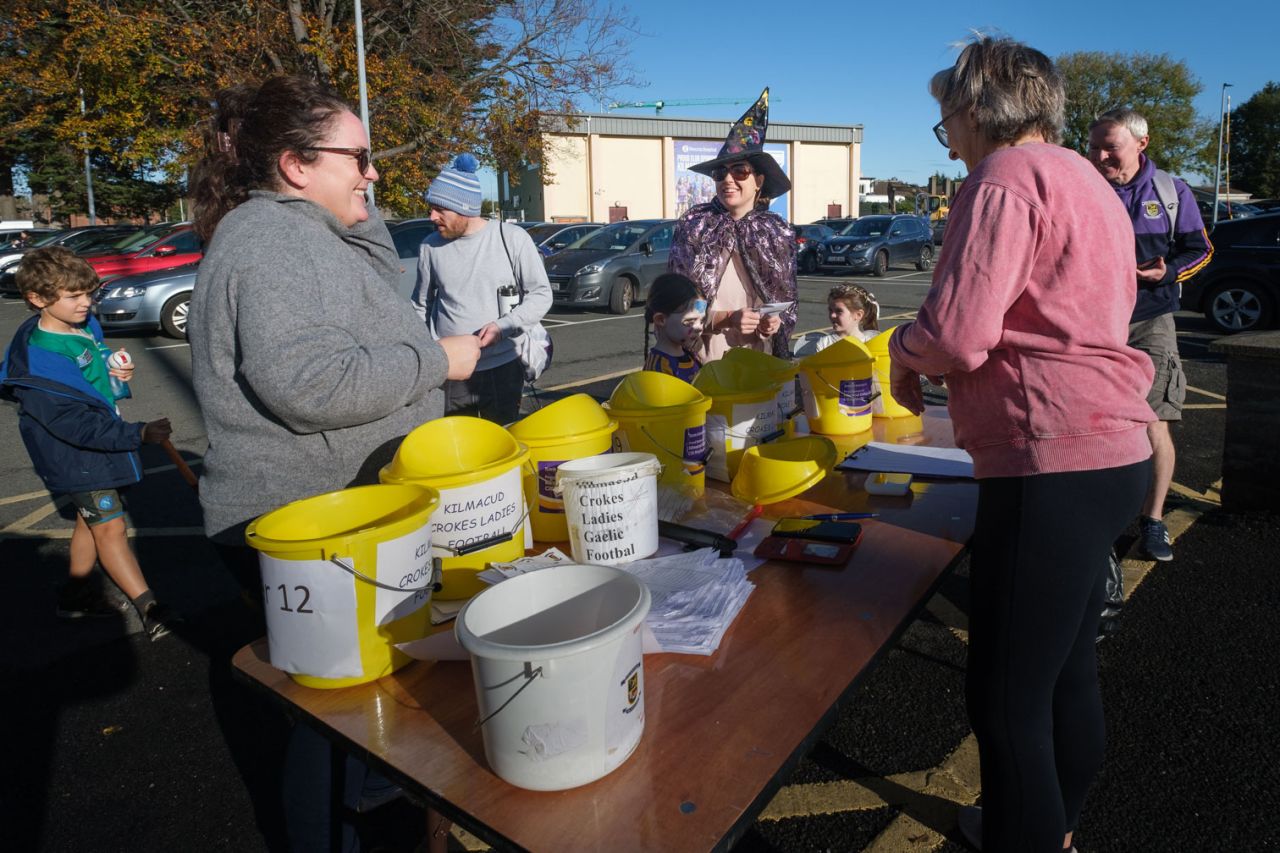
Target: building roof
x,y
608,124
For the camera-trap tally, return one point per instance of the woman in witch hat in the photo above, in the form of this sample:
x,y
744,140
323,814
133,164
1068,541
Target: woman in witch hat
x,y
740,254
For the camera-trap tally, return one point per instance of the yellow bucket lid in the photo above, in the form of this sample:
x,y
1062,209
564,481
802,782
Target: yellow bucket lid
x,y
773,472
842,352
576,417
721,379
644,391
879,345
454,451
334,520
761,361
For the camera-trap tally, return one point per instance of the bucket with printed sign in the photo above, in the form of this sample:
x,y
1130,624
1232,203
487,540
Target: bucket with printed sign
x,y
783,373
571,428
345,576
667,417
883,406
744,412
837,388
476,466
559,672
611,506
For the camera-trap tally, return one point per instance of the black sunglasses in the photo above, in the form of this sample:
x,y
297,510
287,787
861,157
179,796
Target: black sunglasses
x,y
740,172
941,132
364,158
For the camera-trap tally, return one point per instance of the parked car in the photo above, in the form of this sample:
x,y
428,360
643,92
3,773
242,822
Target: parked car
x,y
875,243
1239,289
408,234
179,247
1266,205
1226,210
836,223
808,237
10,236
116,243
148,301
554,236
612,266
71,238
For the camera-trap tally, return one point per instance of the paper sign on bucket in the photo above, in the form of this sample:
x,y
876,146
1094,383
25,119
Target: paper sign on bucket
x,y
611,503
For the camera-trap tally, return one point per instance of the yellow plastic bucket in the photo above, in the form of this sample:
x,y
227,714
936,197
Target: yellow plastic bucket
x,y
667,417
346,575
477,467
883,406
784,373
567,429
744,411
837,388
774,472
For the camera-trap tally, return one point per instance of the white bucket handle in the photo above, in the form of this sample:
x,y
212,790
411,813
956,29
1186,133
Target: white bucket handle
x,y
530,673
433,585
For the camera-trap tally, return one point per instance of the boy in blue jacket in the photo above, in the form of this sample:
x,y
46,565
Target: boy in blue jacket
x,y
56,370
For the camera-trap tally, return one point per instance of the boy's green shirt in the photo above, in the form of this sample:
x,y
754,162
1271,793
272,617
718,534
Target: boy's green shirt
x,y
85,351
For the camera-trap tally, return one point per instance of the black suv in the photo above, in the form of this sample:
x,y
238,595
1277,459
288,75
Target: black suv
x,y
874,243
808,238
1239,290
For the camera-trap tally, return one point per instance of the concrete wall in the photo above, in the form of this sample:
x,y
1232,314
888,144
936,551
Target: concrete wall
x,y
821,176
627,171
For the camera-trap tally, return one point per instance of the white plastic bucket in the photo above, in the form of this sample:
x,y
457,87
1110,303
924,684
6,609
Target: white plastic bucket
x,y
558,666
611,506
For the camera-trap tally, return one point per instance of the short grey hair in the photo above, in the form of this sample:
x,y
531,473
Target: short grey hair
x,y
1130,119
1012,89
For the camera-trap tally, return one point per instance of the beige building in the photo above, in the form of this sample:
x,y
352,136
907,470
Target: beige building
x,y
602,168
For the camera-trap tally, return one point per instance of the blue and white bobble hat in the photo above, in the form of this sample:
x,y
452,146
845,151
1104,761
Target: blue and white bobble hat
x,y
457,188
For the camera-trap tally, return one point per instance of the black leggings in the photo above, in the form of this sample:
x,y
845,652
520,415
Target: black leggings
x,y
1038,577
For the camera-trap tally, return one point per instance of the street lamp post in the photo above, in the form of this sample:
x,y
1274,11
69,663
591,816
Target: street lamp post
x,y
88,168
1217,173
363,85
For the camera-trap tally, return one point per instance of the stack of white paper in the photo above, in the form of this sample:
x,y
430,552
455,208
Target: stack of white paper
x,y
696,596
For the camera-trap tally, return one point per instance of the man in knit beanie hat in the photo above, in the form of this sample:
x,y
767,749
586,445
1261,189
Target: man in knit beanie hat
x,y
472,274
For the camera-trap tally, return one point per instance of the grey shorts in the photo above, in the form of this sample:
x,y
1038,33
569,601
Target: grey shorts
x,y
99,506
1158,338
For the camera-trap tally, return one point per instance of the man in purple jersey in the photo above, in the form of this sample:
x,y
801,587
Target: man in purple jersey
x,y
1171,247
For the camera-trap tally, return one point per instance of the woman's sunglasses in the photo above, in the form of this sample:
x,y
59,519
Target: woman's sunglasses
x,y
363,156
740,172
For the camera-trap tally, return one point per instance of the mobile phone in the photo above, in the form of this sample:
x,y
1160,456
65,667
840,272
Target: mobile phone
x,y
818,531
805,550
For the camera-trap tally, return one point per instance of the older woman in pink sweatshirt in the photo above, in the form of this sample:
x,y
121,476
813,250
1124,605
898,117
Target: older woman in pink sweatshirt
x,y
1027,321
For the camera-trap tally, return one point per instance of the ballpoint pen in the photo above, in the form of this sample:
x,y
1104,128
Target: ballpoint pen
x,y
840,516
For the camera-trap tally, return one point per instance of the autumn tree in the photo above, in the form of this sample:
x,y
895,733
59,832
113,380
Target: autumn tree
x,y
1255,143
443,76
1156,85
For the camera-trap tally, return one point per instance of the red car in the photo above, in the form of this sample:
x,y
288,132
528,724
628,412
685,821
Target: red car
x,y
179,247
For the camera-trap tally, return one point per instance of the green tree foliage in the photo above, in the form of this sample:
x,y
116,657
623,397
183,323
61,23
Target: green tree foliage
x,y
1156,85
1255,143
444,76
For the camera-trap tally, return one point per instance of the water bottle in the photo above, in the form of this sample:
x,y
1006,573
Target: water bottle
x,y
508,299
119,388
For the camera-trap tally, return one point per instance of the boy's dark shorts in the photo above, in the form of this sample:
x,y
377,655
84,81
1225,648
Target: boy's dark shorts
x,y
1158,338
98,507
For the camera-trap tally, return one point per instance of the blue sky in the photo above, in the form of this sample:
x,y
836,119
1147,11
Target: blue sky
x,y
869,63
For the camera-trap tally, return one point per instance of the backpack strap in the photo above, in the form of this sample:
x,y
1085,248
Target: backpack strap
x,y
1168,195
511,261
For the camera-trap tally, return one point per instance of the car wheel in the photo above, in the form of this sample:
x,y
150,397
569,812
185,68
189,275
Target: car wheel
x,y
808,264
881,264
1239,306
622,295
926,258
173,316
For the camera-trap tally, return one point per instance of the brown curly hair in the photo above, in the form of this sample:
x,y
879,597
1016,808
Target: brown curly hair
x,y
52,272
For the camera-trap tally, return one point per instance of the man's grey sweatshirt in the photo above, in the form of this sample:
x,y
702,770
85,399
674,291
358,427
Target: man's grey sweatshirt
x,y
308,367
458,281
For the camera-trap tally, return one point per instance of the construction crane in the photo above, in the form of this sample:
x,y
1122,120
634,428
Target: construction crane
x,y
658,106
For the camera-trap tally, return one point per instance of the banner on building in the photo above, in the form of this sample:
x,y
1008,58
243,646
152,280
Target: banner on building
x,y
692,188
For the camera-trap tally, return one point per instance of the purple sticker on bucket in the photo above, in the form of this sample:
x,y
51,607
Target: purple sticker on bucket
x,y
855,397
548,500
695,449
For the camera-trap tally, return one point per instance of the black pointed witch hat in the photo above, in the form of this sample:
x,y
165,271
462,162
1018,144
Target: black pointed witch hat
x,y
746,142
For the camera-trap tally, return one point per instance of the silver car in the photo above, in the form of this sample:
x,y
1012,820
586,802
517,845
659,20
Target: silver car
x,y
612,266
154,300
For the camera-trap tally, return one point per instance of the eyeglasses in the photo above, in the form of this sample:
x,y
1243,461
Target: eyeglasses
x,y
363,156
941,132
740,172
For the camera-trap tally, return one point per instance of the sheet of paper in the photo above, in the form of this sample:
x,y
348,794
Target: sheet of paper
x,y
771,308
920,460
310,607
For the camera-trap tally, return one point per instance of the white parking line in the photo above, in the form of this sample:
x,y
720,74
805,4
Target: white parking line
x,y
603,319
169,346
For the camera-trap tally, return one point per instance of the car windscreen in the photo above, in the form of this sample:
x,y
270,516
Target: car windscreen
x,y
866,228
48,239
613,238
538,233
